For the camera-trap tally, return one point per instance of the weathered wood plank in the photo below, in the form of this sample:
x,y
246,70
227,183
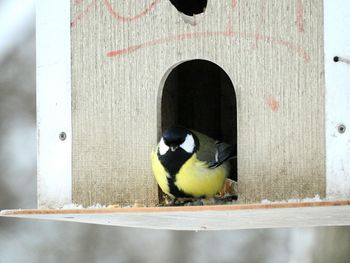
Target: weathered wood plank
x,y
325,213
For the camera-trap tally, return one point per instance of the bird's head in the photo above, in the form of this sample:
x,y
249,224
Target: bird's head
x,y
178,139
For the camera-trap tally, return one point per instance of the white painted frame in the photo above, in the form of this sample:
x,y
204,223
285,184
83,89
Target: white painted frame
x,y
54,101
53,64
337,74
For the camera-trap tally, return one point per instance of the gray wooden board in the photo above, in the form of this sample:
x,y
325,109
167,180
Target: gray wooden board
x,y
273,53
206,219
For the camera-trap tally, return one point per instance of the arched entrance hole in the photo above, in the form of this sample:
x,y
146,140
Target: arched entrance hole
x,y
199,95
190,8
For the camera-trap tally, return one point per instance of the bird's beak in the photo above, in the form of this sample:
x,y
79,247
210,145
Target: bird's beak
x,y
173,148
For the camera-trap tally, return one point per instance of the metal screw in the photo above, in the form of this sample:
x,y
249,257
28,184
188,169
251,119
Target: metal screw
x,y
341,128
62,136
341,59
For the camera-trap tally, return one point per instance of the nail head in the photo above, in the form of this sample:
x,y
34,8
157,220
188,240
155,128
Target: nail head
x,y
62,136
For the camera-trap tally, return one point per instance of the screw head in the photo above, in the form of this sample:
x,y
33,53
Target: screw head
x,y
62,136
341,128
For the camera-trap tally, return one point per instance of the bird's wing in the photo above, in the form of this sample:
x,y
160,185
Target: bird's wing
x,y
212,152
224,152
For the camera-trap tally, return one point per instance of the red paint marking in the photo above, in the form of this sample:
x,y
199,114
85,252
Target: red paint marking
x,y
163,40
123,51
83,13
229,25
129,18
261,22
230,18
227,33
294,48
300,15
273,104
234,4
114,13
301,52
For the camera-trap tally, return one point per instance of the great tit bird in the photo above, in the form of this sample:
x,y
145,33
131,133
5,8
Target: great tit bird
x,y
189,164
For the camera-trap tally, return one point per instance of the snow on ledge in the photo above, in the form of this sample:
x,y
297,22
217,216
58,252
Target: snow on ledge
x,y
294,200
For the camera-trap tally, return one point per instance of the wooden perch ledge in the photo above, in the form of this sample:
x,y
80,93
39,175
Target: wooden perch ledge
x,y
218,217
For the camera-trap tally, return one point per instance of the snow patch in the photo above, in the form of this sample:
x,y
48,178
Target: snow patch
x,y
294,200
76,206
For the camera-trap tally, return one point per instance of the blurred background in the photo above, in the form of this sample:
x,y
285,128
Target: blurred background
x,y
45,241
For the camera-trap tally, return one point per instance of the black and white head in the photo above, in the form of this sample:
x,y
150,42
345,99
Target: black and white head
x,y
175,147
177,139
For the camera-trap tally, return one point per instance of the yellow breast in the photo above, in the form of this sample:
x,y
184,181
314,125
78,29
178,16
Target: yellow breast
x,y
197,179
160,173
194,177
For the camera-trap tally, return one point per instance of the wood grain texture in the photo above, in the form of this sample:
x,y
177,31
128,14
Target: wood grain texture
x,y
224,217
273,53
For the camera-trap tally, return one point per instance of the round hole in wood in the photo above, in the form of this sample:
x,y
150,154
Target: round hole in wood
x,y
190,7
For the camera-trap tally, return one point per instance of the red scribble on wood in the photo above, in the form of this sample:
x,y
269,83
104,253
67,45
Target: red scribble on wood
x,y
113,12
124,51
230,18
300,16
163,40
261,23
234,4
292,47
227,33
129,18
79,16
273,104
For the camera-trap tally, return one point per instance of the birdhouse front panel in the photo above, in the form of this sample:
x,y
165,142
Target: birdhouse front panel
x,y
130,80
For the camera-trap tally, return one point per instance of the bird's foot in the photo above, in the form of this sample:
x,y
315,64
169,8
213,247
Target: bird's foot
x,y
225,199
183,202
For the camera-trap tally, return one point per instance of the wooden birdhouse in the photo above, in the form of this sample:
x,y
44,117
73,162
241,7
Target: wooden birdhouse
x,y
268,77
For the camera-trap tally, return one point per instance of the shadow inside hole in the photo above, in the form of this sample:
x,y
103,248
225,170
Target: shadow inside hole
x,y
190,7
199,95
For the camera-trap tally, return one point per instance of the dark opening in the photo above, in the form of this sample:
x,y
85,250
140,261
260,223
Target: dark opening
x,y
199,95
190,7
